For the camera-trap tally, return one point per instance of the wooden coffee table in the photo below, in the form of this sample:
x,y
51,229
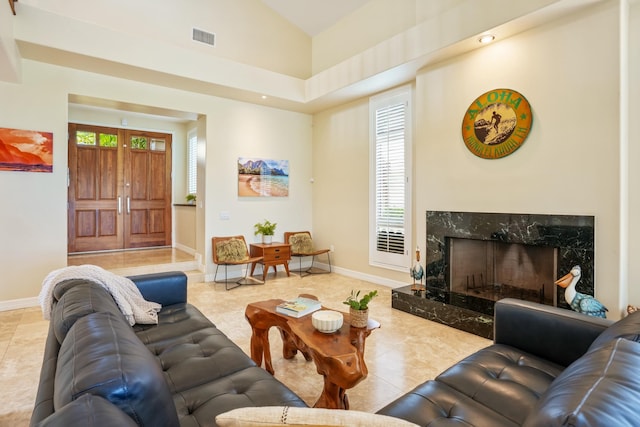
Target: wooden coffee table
x,y
339,357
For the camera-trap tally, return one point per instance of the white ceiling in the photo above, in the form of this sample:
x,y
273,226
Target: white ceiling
x,y
314,16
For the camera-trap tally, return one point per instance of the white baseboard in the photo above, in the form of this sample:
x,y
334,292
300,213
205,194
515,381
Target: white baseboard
x,y
17,304
363,276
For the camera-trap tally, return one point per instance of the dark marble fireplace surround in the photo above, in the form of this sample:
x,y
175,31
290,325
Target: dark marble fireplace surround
x,y
572,235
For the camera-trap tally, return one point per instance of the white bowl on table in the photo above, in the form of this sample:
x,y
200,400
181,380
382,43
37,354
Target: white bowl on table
x,y
327,321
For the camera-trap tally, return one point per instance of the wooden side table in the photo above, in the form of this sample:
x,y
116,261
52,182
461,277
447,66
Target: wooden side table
x,y
339,357
273,254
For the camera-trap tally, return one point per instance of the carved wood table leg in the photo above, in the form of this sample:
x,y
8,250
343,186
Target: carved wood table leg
x,y
289,347
260,347
333,396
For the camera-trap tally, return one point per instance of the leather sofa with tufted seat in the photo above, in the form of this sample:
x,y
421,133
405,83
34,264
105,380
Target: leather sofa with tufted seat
x,y
547,367
99,371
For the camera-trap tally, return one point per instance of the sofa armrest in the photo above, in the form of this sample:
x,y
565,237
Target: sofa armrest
x,y
164,288
552,333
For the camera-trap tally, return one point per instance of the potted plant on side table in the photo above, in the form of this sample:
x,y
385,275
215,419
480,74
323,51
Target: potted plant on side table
x,y
359,307
267,229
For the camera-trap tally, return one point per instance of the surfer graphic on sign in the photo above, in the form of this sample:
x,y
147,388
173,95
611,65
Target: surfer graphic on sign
x,y
495,124
495,118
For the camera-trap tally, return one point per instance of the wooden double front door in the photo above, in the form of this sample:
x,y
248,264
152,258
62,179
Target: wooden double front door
x,y
119,189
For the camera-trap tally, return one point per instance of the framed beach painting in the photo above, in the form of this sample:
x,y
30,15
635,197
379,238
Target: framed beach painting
x,y
26,150
259,177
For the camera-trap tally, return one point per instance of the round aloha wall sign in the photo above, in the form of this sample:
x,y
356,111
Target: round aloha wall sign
x,y
497,123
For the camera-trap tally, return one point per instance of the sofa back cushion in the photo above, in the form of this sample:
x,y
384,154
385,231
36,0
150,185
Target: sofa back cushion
x,y
599,389
102,355
627,328
75,299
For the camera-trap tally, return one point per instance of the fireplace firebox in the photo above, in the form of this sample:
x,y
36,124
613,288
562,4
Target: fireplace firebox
x,y
495,270
474,259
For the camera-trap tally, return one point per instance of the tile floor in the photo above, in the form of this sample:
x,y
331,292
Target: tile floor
x,y
404,352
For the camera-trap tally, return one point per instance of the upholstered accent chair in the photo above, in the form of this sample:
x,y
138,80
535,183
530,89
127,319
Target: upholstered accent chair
x,y
302,247
233,250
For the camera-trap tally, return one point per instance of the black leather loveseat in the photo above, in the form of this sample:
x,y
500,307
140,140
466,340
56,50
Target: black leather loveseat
x,y
547,367
99,371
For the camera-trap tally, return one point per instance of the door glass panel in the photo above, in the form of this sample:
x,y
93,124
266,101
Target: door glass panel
x,y
107,140
157,144
138,142
85,138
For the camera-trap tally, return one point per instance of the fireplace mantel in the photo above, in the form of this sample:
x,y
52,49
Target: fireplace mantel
x,y
572,235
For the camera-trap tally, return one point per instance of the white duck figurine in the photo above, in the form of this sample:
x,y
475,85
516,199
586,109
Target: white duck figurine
x,y
582,303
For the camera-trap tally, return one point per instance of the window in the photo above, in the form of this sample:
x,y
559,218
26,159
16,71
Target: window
x,y
192,162
390,154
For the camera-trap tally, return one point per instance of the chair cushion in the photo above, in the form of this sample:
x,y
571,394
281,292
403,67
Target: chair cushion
x,y
101,355
599,389
301,243
436,404
500,373
232,250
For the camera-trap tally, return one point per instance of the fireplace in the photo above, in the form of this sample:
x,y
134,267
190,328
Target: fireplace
x,y
474,258
495,270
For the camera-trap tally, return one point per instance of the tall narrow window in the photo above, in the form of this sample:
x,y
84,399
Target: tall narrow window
x,y
192,162
390,153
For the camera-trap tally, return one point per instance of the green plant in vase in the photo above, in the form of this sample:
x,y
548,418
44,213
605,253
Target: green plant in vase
x,y
267,229
359,307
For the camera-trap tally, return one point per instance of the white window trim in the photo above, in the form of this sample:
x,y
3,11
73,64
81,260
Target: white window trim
x,y
192,161
399,262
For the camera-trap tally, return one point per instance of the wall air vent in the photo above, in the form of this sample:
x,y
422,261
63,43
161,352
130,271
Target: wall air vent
x,y
204,37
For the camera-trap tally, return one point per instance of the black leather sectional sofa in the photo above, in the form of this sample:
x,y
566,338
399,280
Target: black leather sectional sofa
x,y
547,367
99,371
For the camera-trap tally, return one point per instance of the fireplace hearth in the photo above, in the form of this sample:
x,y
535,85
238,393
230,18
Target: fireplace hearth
x,y
473,259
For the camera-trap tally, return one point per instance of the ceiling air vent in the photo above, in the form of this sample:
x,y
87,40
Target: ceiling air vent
x,y
204,37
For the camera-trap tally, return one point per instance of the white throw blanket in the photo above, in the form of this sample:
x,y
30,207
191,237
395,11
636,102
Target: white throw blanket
x,y
126,294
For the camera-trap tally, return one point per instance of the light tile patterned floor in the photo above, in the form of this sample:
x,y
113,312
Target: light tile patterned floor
x,y
403,353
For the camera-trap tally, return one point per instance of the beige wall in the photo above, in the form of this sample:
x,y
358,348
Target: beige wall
x,y
446,21
33,231
633,155
184,235
247,31
568,165
376,21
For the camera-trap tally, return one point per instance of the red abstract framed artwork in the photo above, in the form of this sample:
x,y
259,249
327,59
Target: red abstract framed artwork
x,y
26,150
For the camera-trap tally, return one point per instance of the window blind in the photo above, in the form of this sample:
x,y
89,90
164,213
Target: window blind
x,y
390,178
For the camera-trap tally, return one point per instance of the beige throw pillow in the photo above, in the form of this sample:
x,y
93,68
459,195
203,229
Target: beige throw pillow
x,y
289,416
232,250
301,243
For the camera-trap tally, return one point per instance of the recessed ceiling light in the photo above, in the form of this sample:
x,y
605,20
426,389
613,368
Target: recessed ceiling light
x,y
264,96
487,38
